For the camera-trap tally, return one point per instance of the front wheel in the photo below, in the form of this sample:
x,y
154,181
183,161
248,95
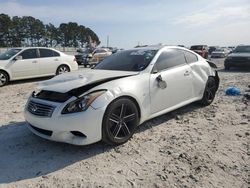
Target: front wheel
x,y
209,93
4,79
120,121
62,69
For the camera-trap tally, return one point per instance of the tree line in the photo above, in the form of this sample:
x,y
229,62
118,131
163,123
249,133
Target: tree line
x,y
28,31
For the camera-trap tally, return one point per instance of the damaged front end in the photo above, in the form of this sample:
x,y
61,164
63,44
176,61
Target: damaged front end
x,y
216,76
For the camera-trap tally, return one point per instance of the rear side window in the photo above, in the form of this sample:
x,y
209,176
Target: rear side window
x,y
169,59
48,53
29,54
190,57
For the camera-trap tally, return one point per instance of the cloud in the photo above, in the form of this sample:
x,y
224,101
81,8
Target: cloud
x,y
101,12
213,15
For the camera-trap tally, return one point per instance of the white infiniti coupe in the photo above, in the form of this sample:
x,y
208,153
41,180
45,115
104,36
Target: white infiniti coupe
x,y
124,90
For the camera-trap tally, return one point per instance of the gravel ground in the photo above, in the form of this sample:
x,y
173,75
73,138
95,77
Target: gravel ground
x,y
191,147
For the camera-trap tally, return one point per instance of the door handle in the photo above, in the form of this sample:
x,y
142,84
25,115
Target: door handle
x,y
34,61
56,59
187,73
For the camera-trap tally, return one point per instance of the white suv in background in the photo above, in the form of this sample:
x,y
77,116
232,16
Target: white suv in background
x,y
32,62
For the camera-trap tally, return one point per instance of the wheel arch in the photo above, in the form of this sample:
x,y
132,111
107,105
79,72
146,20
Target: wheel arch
x,y
63,64
106,137
217,79
7,73
132,99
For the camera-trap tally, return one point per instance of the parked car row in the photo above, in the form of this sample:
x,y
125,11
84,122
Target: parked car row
x,y
86,56
214,51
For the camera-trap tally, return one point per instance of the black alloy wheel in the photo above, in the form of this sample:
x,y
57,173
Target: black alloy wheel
x,y
120,121
209,93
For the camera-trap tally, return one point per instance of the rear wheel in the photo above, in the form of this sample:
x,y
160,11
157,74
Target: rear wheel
x,y
209,93
62,69
4,78
120,121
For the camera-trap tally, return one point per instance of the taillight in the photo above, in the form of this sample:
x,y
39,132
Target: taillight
x,y
75,60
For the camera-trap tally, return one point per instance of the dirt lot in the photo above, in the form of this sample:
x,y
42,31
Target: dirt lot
x,y
190,147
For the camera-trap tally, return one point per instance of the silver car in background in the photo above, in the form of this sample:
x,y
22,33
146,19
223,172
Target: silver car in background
x,y
220,53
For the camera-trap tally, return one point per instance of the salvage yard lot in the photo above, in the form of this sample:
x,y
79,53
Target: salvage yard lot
x,y
194,146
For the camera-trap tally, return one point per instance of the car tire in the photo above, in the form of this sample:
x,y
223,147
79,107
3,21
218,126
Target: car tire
x,y
62,69
227,68
120,121
209,92
4,78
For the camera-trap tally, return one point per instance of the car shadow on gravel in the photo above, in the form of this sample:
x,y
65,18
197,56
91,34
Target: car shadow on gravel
x,y
176,114
26,156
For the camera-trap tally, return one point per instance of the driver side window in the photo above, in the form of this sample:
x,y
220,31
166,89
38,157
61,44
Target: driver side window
x,y
168,59
29,54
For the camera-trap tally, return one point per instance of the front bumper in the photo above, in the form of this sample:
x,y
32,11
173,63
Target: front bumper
x,y
61,127
237,62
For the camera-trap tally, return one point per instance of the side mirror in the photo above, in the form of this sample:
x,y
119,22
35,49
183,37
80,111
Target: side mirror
x,y
154,71
19,57
93,65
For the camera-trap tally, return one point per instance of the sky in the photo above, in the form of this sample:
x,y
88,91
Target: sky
x,y
132,22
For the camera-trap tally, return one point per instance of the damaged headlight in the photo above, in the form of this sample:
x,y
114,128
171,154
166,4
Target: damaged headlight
x,y
82,103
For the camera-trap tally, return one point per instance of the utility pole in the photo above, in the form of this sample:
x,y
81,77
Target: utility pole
x,y
107,41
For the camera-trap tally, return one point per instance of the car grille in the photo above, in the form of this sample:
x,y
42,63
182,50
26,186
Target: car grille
x,y
40,109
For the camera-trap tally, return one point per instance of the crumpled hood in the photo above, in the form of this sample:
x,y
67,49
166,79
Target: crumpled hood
x,y
69,81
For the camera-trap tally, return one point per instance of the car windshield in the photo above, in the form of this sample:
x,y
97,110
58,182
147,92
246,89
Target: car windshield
x,y
8,54
196,48
219,50
242,49
128,60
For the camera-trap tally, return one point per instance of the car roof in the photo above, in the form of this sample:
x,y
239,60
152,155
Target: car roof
x,y
24,48
199,45
243,45
158,47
